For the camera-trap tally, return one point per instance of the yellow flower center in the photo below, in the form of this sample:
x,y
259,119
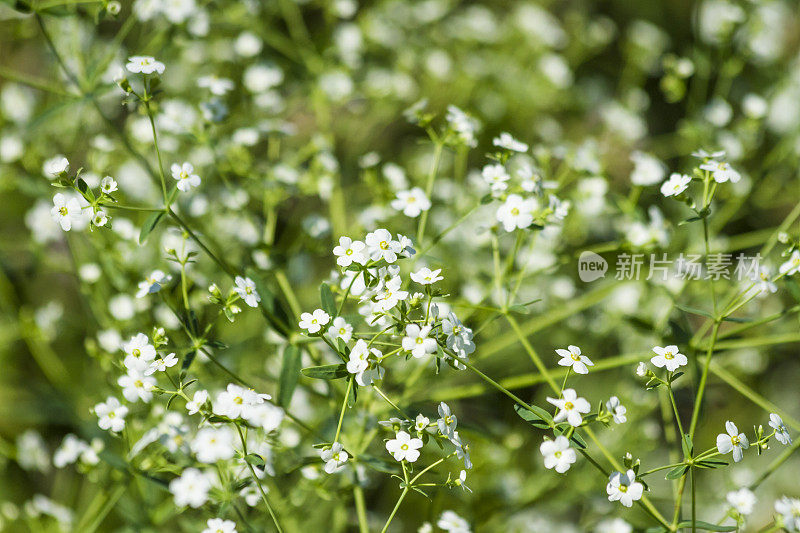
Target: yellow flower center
x,y
568,405
623,488
575,357
383,245
63,211
515,211
404,446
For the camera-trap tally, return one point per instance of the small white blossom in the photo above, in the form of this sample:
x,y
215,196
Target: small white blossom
x,y
617,410
145,65
334,457
66,211
570,407
447,421
152,283
624,488
184,173
496,176
216,85
191,488
313,322
380,245
138,348
516,212
426,276
557,454
196,403
505,140
246,289
349,251
669,357
108,185
404,448
781,433
452,523
411,202
417,341
741,500
721,171
732,441
340,329
136,384
789,510
572,357
55,166
676,184
161,365
111,414
792,265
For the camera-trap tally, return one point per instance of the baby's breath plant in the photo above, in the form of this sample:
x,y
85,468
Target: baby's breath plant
x,y
399,266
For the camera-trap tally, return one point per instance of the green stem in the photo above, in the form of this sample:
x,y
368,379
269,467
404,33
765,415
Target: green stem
x,y
437,155
258,481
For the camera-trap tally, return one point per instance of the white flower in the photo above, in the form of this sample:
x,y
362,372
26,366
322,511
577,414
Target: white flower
x,y
218,525
459,337
236,401
191,488
403,447
55,166
702,154
184,174
213,444
617,410
789,509
496,176
451,522
732,441
462,481
557,454
136,384
340,329
426,276
781,433
138,348
647,170
313,322
99,218
421,423
447,421
721,171
570,407
624,488
380,245
390,295
246,289
66,211
218,86
72,448
161,365
153,283
108,185
792,265
641,370
198,399
411,202
334,457
365,371
349,251
572,357
417,341
516,212
741,500
462,449
676,184
145,65
505,140
111,414
668,356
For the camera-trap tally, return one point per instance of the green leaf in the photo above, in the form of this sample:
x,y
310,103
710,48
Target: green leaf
x,y
521,309
290,373
677,472
687,445
328,303
710,464
737,319
149,225
535,416
254,459
689,220
694,310
326,371
699,524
